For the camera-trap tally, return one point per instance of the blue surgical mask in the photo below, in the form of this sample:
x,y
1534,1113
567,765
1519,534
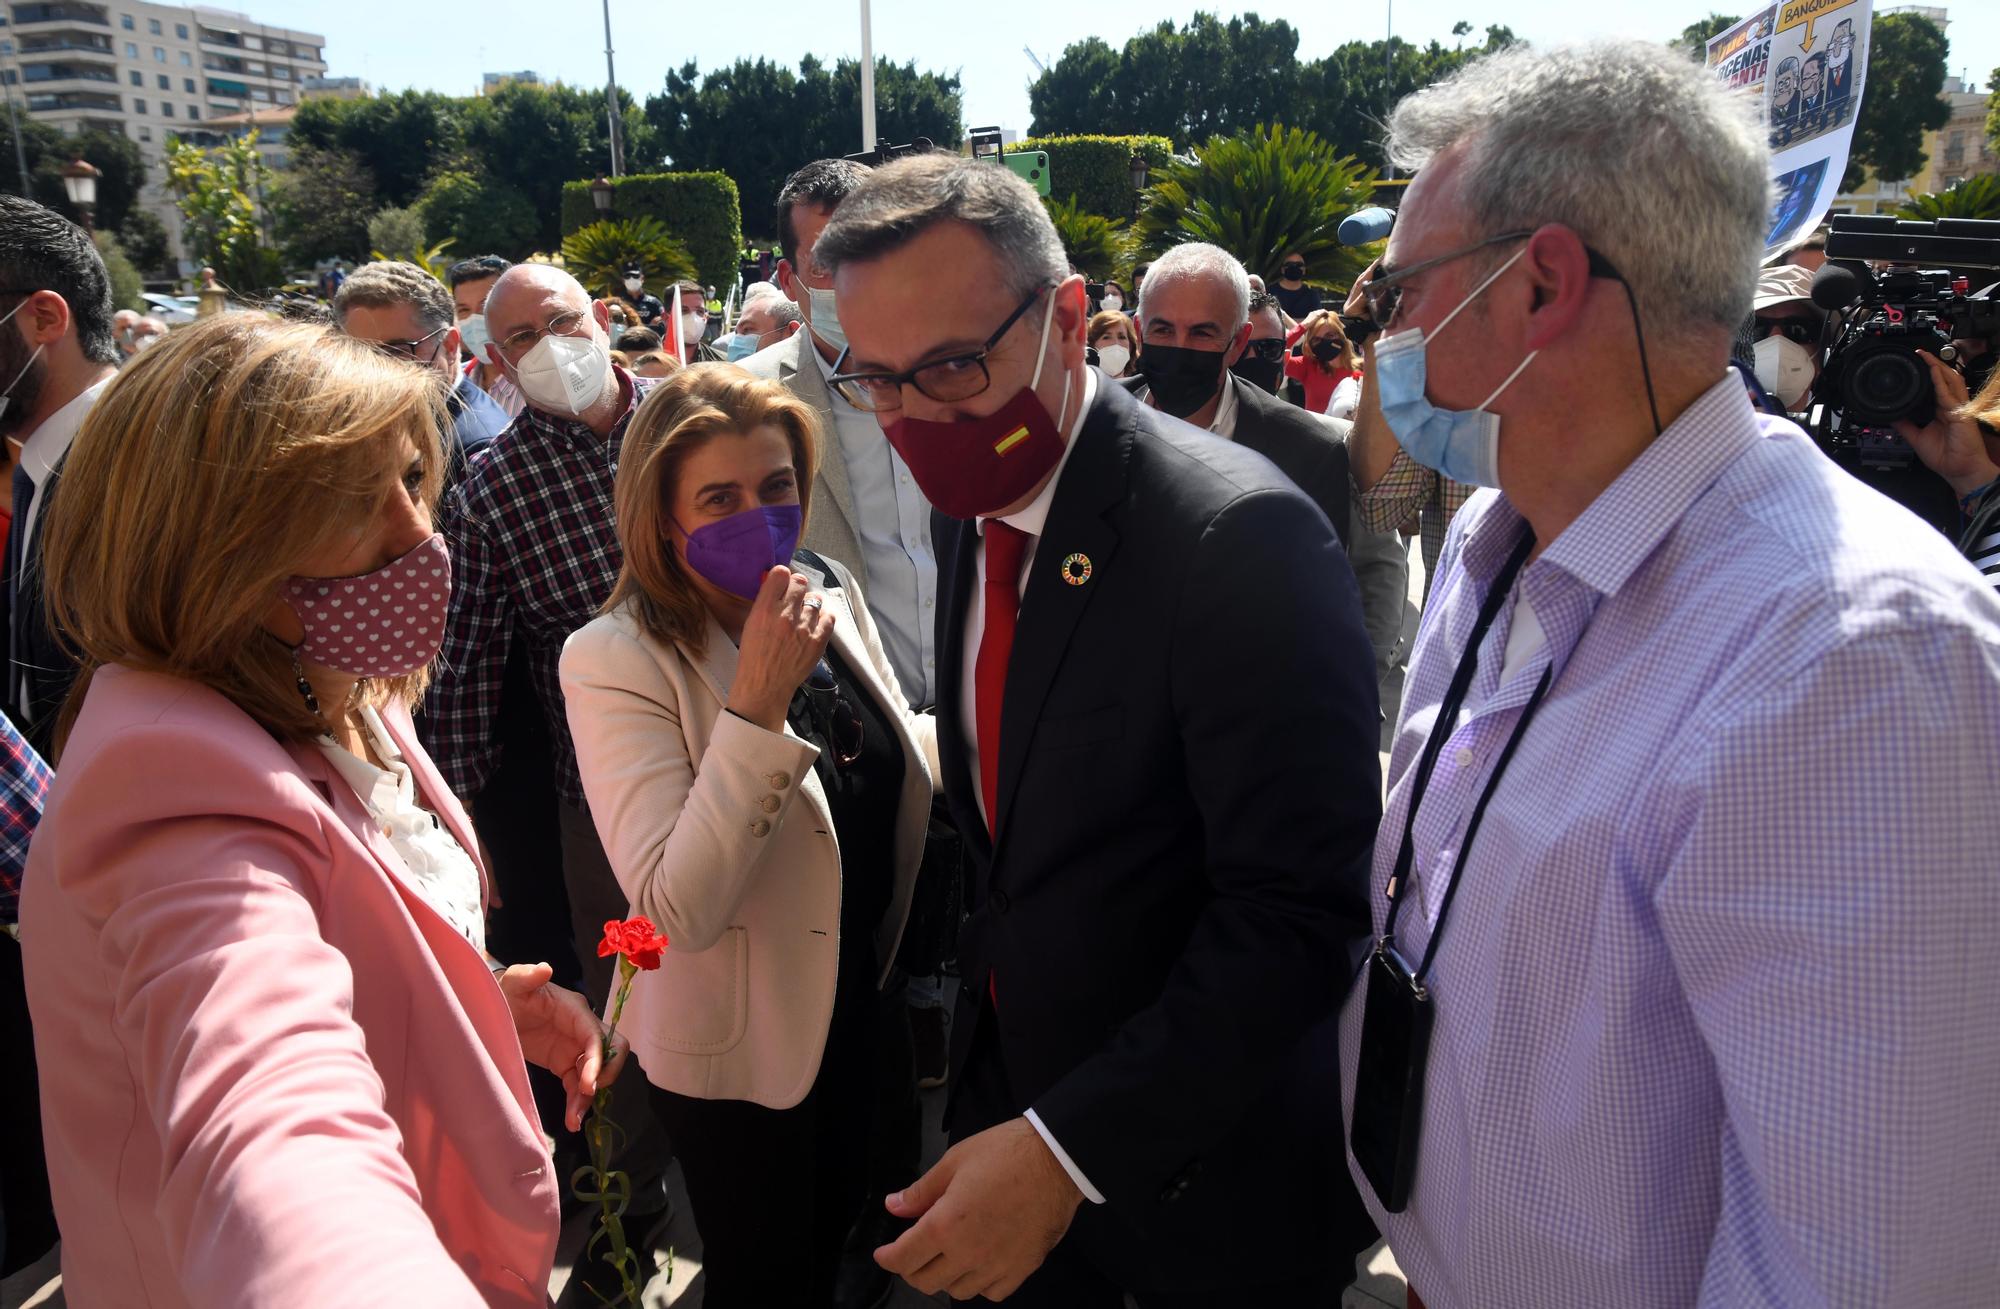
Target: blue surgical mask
x,y
824,318
740,346
1463,444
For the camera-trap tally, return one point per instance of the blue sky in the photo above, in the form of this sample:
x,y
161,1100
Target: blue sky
x,y
394,45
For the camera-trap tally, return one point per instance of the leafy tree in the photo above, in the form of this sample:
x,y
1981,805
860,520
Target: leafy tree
x,y
758,121
396,234
1188,82
598,255
214,190
483,216
321,204
1096,244
125,281
1975,197
1346,97
532,139
1993,109
144,239
1259,195
1694,38
116,157
1901,99
1213,77
401,137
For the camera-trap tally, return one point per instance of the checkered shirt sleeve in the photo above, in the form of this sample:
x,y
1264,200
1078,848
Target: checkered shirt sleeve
x,y
24,784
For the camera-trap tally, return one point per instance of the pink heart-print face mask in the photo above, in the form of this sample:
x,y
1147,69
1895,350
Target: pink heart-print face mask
x,y
380,624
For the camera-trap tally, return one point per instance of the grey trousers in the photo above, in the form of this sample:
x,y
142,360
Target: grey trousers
x,y
595,899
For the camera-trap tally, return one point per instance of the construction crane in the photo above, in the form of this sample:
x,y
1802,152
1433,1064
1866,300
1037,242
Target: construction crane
x,y
1040,67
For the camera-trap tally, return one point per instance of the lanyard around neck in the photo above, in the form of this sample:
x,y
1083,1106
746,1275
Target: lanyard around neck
x,y
1442,728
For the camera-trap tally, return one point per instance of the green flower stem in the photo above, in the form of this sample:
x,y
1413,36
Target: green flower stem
x,y
598,1182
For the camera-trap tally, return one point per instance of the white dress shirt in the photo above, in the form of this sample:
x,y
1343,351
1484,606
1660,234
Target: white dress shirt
x,y
1029,520
438,869
41,452
892,520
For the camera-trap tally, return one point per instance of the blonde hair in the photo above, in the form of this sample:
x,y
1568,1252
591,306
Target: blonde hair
x,y
668,364
1984,408
213,466
1346,360
683,413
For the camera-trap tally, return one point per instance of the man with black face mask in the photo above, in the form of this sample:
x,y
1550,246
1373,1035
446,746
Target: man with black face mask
x,y
1194,331
1294,296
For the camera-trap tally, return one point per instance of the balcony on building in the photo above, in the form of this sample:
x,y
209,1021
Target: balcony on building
x,y
61,11
67,70
47,102
43,43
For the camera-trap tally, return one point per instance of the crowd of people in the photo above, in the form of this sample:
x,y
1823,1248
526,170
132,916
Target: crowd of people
x,y
980,678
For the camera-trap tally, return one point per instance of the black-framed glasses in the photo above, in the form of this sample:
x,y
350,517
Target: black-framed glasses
x,y
414,351
1270,349
1384,292
1801,330
832,715
519,343
946,381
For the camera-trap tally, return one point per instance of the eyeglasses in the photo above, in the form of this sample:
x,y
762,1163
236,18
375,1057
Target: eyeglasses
x,y
413,350
1384,293
519,343
1270,349
1792,329
832,716
946,381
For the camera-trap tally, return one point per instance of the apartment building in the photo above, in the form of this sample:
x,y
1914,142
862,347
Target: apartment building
x,y
149,71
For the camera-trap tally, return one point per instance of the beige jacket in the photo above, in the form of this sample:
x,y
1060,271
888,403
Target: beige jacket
x,y
720,833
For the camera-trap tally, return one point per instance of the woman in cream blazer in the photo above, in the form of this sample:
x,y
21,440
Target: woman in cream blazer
x,y
772,830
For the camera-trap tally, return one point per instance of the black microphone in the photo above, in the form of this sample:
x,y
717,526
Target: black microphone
x,y
1836,286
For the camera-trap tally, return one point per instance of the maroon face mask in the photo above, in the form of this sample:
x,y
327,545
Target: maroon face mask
x,y
972,467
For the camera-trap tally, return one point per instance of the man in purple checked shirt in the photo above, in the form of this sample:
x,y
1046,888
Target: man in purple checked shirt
x,y
1686,900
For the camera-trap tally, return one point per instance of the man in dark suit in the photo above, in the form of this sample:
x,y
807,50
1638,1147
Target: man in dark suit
x,y
1157,731
1194,324
1840,71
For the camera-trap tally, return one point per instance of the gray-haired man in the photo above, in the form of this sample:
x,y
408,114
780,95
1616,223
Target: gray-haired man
x,y
1683,991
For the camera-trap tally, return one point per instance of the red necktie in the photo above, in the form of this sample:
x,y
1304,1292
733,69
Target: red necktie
x,y
1006,547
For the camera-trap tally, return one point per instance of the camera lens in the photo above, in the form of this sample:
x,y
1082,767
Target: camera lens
x,y
1888,383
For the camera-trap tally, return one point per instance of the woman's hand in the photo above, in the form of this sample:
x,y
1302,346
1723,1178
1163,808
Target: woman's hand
x,y
783,638
1950,446
559,1032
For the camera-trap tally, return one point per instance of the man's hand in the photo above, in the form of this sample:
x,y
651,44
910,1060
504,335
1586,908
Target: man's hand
x,y
559,1032
987,1215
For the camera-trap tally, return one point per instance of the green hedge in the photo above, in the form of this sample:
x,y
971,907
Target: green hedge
x,y
1096,171
701,209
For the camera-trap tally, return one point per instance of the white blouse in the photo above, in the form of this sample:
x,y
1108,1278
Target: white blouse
x,y
437,867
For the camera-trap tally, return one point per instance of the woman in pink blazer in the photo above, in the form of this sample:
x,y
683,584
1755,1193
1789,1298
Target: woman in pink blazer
x,y
276,1066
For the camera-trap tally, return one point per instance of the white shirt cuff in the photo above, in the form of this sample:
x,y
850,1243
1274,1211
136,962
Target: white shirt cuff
x,y
1090,1192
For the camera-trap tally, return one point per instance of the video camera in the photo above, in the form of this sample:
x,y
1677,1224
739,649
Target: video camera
x,y
1915,298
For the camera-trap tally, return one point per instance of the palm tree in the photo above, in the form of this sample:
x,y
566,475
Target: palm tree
x,y
598,255
1095,244
1974,197
1261,195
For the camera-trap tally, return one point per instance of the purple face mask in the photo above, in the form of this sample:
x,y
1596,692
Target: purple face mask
x,y
735,552
380,624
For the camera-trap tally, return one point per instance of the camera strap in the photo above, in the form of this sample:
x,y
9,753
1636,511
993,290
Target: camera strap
x,y
1441,729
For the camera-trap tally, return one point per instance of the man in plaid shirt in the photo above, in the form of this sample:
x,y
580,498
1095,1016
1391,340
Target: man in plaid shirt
x,y
534,550
24,781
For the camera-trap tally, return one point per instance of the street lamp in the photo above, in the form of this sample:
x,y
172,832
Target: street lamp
x,y
79,179
1139,169
600,194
